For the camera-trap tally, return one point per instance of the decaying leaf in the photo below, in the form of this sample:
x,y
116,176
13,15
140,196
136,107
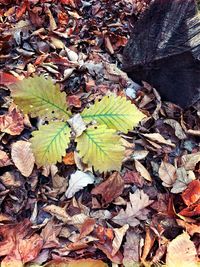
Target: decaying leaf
x,y
38,96
158,138
78,263
135,209
100,147
115,182
132,249
181,252
167,173
119,234
78,181
49,143
114,112
4,159
23,157
182,180
12,122
191,193
190,160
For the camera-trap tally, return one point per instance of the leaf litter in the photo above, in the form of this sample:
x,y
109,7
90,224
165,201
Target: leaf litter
x,y
99,219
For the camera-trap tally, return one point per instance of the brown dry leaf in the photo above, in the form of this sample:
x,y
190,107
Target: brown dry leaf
x,y
12,122
183,179
191,193
132,248
58,212
117,241
143,171
17,244
78,263
156,137
167,173
74,101
87,227
9,179
4,159
190,161
49,235
177,127
135,209
23,157
110,189
191,228
181,251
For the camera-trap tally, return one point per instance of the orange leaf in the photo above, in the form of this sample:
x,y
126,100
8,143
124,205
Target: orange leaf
x,y
191,193
68,159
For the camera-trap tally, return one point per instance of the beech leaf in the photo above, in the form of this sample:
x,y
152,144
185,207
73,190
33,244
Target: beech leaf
x,y
50,142
38,96
115,112
101,147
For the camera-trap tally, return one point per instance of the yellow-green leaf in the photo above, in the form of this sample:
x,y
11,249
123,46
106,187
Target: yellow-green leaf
x,y
38,96
50,142
101,147
115,112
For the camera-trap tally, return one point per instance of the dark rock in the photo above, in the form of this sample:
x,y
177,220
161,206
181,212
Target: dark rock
x,y
164,50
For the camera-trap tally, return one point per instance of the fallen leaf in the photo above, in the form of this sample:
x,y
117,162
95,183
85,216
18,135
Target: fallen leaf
x,y
49,235
78,263
110,189
132,248
12,122
18,245
177,127
191,228
181,251
4,159
190,161
135,209
133,177
68,159
78,181
192,210
74,101
117,241
23,157
191,193
156,137
7,78
167,173
77,124
143,171
182,180
87,227
9,179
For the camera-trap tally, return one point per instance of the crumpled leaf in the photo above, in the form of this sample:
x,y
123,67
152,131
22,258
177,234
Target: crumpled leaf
x,y
23,157
167,173
78,181
50,142
181,252
182,180
40,97
100,147
115,112
191,193
135,209
12,122
115,182
17,244
191,160
177,127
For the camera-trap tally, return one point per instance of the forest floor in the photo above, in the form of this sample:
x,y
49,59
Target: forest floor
x,y
156,195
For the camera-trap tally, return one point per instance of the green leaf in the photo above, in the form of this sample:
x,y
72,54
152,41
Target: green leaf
x,y
40,97
101,148
115,112
50,142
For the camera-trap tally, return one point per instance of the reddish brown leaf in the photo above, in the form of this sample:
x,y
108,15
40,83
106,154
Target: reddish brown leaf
x,y
4,159
17,244
12,122
114,182
7,78
87,227
74,101
192,210
68,159
132,177
191,193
